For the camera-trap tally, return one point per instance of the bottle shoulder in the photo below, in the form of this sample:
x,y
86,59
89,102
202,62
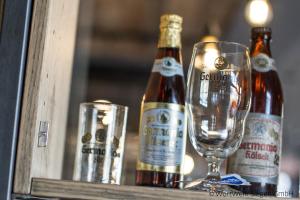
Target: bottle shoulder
x,y
166,81
266,81
267,94
165,89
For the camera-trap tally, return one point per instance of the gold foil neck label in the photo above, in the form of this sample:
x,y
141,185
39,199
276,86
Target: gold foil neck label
x,y
170,29
170,25
169,38
171,20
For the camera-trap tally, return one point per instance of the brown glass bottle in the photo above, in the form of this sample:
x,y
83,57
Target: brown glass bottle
x,y
257,159
163,101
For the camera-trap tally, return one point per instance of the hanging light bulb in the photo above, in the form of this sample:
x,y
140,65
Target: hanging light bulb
x,y
258,12
211,54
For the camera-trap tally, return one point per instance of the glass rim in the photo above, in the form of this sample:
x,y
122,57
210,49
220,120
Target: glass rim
x,y
196,45
117,106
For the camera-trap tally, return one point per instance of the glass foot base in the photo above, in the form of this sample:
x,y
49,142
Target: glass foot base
x,y
210,186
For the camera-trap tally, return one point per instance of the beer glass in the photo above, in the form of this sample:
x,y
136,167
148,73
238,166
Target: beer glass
x,y
217,103
100,143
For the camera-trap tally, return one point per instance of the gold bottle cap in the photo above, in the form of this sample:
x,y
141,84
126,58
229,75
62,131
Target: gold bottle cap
x,y
170,28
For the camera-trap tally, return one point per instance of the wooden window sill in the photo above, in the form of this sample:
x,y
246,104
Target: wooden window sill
x,y
83,190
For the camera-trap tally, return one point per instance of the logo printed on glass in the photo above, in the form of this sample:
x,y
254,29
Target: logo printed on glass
x,y
221,63
219,75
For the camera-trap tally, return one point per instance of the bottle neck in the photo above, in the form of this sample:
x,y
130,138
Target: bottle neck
x,y
260,45
169,52
169,44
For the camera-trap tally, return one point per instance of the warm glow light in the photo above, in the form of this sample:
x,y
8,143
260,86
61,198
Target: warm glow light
x,y
258,12
188,164
210,55
209,38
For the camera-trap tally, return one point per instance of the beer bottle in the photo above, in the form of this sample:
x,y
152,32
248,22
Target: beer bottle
x,y
257,159
161,131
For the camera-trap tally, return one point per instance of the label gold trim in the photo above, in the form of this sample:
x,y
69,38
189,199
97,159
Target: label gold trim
x,y
155,105
149,167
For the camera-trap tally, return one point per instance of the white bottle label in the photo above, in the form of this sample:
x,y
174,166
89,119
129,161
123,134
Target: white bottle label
x,y
263,63
162,137
257,159
167,66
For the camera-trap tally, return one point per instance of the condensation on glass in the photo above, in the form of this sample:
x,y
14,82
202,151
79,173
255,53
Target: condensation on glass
x,y
100,142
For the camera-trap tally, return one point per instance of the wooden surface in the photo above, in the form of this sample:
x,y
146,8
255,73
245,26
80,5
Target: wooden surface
x,y
83,190
46,92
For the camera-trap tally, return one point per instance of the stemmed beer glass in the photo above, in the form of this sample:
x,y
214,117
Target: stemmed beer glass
x,y
217,102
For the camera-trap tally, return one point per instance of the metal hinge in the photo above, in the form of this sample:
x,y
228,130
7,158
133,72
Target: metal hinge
x,y
43,134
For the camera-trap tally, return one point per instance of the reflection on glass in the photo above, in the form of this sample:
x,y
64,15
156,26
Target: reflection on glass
x,y
100,143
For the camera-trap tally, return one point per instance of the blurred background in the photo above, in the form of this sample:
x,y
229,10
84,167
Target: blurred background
x,y
116,46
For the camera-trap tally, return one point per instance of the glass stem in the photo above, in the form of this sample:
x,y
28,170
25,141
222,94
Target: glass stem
x,y
214,165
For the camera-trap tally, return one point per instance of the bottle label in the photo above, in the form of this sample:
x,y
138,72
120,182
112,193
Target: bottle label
x,y
263,63
167,66
162,137
257,158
